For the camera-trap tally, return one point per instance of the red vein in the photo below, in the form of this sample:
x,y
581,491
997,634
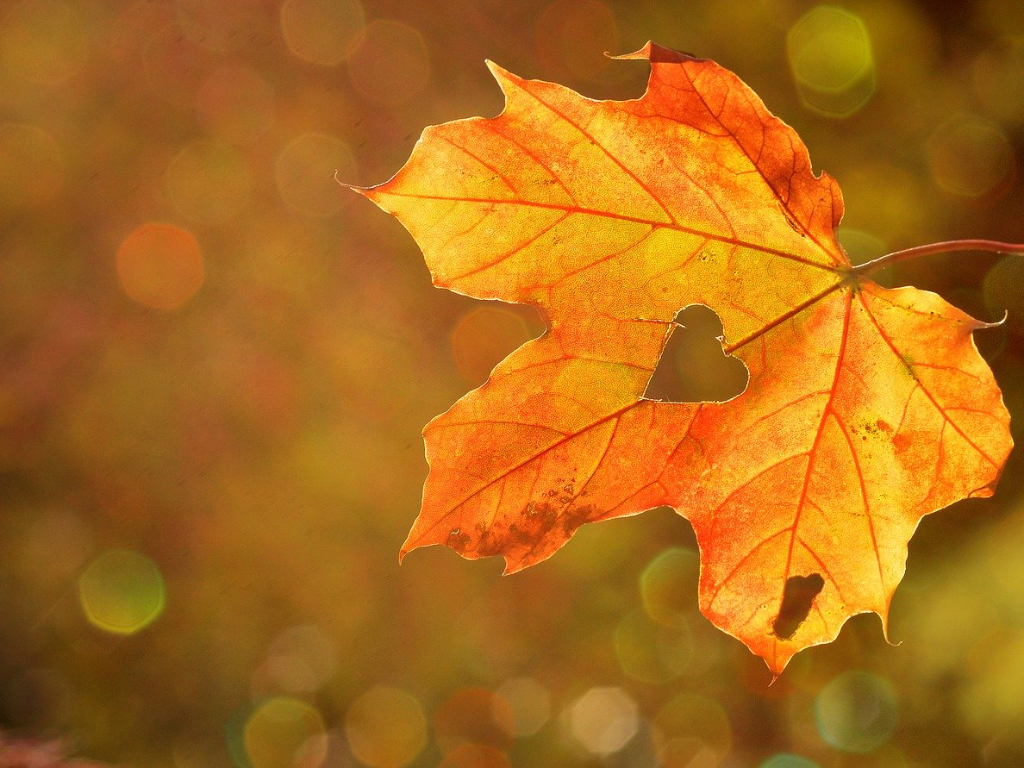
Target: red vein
x,y
509,422
784,317
739,145
821,564
482,162
610,156
509,254
735,569
817,440
864,500
921,385
621,217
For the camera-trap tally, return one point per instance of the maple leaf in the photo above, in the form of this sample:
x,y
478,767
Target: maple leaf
x,y
866,408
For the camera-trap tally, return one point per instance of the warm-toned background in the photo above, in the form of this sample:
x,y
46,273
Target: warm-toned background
x,y
215,364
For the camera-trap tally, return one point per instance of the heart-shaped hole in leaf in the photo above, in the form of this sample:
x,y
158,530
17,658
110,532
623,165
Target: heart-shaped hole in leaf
x,y
693,367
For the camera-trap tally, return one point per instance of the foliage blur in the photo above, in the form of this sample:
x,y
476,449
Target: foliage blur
x,y
215,363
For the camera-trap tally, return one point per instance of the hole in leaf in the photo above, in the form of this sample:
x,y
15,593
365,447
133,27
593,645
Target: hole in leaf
x,y
693,367
796,603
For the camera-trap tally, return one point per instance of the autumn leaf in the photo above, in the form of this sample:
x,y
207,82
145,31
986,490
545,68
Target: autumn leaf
x,y
866,408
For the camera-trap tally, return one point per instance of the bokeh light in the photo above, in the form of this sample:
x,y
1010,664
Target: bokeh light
x,y
121,591
391,64
603,720
830,56
305,173
208,181
482,338
160,265
530,703
856,712
386,728
668,585
969,156
322,32
31,167
284,732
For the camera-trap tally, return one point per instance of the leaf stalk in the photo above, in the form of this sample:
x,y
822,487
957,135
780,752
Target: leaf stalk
x,y
947,246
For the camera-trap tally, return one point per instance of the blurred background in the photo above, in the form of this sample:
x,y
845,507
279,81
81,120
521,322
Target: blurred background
x,y
215,363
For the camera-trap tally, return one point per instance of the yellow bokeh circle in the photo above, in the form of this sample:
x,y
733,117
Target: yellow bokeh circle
x,y
667,585
121,591
284,732
832,62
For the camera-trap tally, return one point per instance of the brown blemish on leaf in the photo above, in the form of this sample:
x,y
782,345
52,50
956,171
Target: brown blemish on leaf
x,y
534,529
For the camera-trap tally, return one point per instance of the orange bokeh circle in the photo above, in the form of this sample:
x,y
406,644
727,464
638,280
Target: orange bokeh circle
x,y
160,265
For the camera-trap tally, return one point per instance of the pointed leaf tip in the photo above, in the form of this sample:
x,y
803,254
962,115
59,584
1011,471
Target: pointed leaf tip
x,y
499,72
657,53
642,53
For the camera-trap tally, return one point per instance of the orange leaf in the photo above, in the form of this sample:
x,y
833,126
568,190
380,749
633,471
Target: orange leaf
x,y
866,408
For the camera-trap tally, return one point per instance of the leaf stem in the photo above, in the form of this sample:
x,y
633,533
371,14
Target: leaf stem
x,y
948,246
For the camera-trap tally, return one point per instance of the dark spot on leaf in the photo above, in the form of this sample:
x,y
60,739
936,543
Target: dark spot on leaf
x,y
574,518
902,442
532,533
457,540
792,223
797,601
